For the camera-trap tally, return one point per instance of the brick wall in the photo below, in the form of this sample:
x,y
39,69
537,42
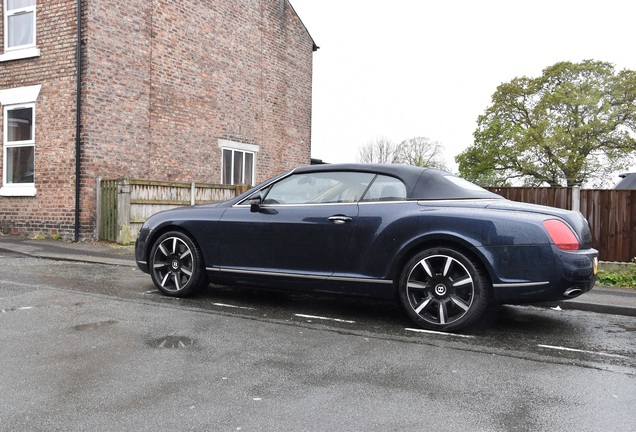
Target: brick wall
x,y
53,207
163,81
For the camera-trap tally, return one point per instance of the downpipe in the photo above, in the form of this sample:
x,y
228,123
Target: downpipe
x,y
78,110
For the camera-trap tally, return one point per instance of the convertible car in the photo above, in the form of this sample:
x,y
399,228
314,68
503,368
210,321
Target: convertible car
x,y
442,246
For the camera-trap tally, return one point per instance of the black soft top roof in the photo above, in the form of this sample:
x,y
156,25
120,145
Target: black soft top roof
x,y
421,183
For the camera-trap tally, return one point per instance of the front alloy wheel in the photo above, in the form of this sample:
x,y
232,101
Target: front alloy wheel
x,y
442,289
176,265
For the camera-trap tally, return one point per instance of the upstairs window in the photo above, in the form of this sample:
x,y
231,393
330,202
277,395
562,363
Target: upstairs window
x,y
19,24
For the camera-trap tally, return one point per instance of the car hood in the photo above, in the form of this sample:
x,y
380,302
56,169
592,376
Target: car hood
x,y
179,213
191,208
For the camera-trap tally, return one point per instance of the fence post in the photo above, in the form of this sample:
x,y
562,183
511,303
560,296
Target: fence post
x,y
123,212
193,191
239,189
576,198
98,205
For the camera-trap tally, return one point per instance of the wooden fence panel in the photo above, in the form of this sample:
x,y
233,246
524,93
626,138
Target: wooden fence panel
x,y
108,210
611,214
214,193
553,197
125,204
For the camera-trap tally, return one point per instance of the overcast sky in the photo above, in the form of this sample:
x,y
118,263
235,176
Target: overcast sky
x,y
406,68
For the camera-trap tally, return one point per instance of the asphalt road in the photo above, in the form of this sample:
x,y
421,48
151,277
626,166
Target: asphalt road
x,y
94,347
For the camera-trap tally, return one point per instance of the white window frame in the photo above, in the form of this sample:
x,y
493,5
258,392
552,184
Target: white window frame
x,y
237,147
19,51
10,99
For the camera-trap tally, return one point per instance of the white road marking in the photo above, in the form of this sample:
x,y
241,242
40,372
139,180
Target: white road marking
x,y
233,306
325,318
438,333
16,309
581,351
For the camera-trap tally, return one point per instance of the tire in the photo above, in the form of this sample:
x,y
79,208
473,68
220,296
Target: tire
x,y
443,289
176,265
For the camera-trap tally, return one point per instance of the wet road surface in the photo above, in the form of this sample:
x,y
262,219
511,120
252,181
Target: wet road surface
x,y
78,337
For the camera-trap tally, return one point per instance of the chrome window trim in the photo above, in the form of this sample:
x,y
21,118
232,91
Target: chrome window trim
x,y
297,205
386,202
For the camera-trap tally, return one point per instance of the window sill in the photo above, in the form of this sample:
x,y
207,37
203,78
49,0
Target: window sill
x,y
18,191
20,54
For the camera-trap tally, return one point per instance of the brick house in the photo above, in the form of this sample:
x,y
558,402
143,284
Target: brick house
x,y
215,91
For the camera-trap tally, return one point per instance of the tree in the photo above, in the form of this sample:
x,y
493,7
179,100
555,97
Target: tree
x,y
381,150
421,151
418,151
574,124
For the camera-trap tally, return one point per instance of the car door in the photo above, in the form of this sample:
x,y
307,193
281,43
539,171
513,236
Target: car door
x,y
301,227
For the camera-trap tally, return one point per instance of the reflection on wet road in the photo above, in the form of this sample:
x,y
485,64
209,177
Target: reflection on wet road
x,y
545,334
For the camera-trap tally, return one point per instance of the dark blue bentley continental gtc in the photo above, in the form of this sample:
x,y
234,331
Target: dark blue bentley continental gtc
x,y
444,247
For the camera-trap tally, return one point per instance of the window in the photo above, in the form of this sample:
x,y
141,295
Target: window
x,y
386,188
19,144
238,167
319,187
18,157
19,30
238,162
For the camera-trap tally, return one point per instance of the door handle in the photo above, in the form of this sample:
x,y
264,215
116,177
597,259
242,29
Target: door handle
x,y
340,219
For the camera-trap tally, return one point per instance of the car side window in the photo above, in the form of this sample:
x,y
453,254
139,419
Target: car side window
x,y
386,188
319,187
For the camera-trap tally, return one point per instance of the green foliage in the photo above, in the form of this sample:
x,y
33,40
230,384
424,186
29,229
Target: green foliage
x,y
625,278
574,124
609,278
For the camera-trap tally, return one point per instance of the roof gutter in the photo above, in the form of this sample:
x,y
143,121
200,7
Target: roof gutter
x,y
78,153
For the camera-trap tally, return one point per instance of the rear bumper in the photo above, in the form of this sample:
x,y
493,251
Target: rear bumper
x,y
571,274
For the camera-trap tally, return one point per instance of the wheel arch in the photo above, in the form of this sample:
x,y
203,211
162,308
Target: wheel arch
x,y
159,231
440,240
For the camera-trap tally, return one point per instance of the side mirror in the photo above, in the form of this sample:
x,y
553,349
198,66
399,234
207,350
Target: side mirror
x,y
255,202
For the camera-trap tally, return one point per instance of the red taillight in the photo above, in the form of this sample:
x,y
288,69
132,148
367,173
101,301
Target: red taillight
x,y
561,235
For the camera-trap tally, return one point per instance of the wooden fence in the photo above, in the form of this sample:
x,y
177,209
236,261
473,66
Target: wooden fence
x,y
124,204
611,214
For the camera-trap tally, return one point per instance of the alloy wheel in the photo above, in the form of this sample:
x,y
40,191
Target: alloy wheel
x,y
173,264
440,289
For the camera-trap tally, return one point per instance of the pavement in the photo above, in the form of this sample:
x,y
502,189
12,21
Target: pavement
x,y
601,299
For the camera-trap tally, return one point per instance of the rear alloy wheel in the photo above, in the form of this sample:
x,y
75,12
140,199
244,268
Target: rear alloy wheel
x,y
176,265
442,289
